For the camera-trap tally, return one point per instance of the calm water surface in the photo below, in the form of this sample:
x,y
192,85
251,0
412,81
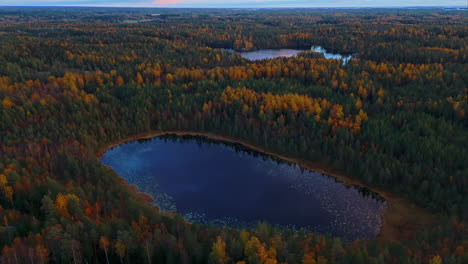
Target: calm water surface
x,y
269,54
276,53
209,181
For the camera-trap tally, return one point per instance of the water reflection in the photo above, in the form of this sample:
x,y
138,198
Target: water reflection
x,y
210,181
269,54
277,53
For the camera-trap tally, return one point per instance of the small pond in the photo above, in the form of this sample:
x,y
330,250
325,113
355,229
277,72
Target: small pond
x,y
269,54
225,184
277,53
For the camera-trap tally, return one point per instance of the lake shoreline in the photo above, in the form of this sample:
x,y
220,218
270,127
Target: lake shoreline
x,y
261,54
400,220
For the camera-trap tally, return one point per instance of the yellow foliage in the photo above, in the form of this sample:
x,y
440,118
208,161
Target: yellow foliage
x,y
436,260
244,236
7,103
9,192
207,106
4,81
362,92
358,103
309,258
363,115
254,246
119,81
3,180
61,203
381,93
89,98
139,78
169,78
120,248
337,111
35,96
218,251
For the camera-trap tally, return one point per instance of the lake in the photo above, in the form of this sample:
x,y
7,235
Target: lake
x,y
226,184
269,54
277,53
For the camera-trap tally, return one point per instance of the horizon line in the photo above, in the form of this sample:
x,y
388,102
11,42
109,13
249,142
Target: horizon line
x,y
263,7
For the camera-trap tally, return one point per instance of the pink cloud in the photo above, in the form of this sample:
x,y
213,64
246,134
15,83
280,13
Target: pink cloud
x,y
167,2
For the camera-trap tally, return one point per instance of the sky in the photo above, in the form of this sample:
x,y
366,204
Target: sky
x,y
235,3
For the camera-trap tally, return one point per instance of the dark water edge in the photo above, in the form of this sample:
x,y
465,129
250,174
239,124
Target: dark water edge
x,y
276,191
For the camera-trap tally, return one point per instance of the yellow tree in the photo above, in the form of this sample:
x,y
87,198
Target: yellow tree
x,y
436,260
139,78
7,190
61,205
62,201
119,81
169,78
309,258
218,252
120,249
7,103
337,111
358,103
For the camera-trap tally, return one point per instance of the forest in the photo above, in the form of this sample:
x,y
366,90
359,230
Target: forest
x,y
74,80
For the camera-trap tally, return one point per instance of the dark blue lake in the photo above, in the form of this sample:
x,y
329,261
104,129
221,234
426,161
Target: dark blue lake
x,y
214,182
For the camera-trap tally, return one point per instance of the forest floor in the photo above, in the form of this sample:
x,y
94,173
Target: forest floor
x,y
400,221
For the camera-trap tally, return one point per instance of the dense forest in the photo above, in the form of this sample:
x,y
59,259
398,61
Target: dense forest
x,y
73,80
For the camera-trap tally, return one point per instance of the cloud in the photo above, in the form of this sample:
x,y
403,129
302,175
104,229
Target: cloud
x,y
168,2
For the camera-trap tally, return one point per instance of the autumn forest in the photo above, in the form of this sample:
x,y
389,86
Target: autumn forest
x,y
74,81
